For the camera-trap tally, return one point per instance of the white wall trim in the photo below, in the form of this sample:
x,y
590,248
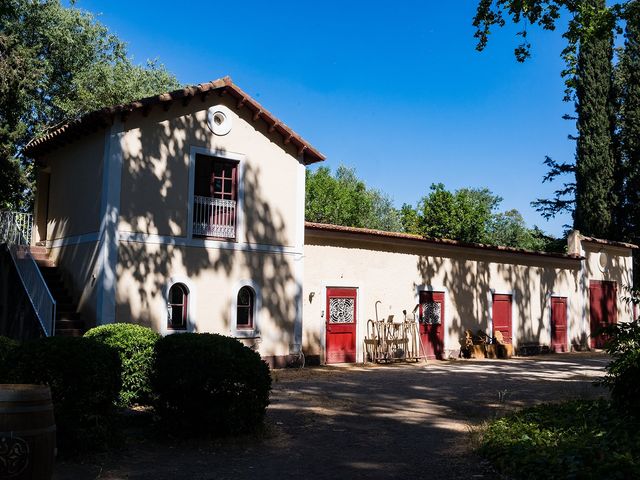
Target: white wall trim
x,y
192,303
514,300
110,215
298,270
257,309
447,321
154,239
222,154
73,240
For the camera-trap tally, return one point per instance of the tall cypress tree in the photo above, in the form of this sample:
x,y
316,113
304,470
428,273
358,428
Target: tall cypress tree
x,y
595,168
629,86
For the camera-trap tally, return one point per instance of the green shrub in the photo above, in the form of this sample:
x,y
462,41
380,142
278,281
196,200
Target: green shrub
x,y
210,384
577,439
623,372
84,377
7,346
136,346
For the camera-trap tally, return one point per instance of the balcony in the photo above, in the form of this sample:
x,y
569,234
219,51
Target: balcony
x,y
214,217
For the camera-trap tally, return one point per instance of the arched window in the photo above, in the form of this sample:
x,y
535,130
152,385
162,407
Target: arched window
x,y
177,307
245,308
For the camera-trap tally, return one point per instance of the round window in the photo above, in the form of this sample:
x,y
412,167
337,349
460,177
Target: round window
x,y
603,261
219,120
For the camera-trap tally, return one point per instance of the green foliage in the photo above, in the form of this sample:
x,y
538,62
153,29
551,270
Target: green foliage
x,y
623,372
344,199
628,82
7,347
596,197
509,229
136,347
84,377
461,215
57,62
469,215
209,384
577,439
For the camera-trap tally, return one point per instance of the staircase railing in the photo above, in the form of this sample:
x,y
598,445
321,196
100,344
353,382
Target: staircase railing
x,y
12,232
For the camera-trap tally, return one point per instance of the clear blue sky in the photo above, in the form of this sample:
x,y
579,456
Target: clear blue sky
x,y
394,89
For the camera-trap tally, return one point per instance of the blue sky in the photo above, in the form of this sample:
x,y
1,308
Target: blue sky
x,y
394,89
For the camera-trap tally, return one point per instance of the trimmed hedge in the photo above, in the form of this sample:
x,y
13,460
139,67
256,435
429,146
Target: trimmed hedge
x,y
209,384
136,346
7,347
84,377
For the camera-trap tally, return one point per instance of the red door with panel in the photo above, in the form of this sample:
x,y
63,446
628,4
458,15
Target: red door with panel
x,y
341,325
603,309
432,324
558,324
502,316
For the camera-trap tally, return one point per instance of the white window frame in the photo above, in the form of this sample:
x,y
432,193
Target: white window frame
x,y
222,155
191,305
257,307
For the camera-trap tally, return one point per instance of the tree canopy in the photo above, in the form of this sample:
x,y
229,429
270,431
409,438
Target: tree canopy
x,y
470,215
58,62
604,94
344,199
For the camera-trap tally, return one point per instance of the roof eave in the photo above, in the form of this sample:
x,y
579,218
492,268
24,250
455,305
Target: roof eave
x,y
61,134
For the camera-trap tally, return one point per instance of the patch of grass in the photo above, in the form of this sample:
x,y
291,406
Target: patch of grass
x,y
577,439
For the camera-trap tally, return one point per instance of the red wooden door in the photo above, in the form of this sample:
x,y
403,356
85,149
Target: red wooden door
x,y
432,323
502,316
341,325
558,324
603,309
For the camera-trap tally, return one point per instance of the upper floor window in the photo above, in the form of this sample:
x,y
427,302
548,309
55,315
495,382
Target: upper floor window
x,y
177,307
215,197
245,308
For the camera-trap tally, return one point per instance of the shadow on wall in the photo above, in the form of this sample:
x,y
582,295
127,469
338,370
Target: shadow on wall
x,y
465,281
469,284
155,201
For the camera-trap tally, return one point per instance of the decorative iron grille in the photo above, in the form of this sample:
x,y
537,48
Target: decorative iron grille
x,y
431,313
341,310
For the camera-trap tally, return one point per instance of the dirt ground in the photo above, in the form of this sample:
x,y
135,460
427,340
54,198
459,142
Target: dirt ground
x,y
395,421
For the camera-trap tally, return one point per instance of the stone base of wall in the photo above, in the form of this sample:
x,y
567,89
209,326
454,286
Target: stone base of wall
x,y
528,349
286,361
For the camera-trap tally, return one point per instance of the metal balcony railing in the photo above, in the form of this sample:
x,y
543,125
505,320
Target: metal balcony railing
x,y
214,217
15,231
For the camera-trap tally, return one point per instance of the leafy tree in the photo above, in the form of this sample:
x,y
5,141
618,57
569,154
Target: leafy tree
x,y
628,79
510,230
461,215
55,63
594,196
470,215
344,199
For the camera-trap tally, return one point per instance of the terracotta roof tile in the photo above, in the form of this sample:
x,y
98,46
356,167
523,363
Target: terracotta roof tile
x,y
434,241
609,243
70,130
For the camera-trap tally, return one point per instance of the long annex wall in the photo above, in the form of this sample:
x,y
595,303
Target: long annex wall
x,y
391,272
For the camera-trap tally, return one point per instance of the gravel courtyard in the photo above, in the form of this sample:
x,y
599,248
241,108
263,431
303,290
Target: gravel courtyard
x,y
396,421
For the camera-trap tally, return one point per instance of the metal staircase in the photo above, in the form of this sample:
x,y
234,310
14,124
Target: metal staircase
x,y
15,232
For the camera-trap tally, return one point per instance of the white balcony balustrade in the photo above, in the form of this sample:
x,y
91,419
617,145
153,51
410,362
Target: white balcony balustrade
x,y
214,217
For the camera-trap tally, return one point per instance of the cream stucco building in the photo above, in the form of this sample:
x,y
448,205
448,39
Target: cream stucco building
x,y
185,212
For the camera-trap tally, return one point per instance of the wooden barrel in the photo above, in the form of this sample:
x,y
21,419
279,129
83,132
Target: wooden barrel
x,y
27,432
